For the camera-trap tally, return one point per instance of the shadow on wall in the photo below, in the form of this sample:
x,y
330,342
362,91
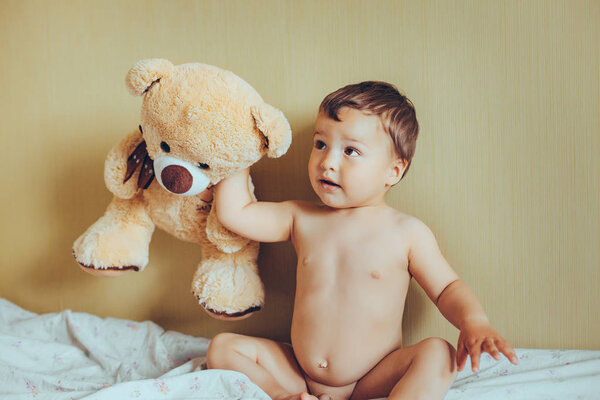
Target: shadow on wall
x,y
78,198
414,310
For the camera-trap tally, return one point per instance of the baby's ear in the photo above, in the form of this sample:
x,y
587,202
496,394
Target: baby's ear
x,y
145,72
275,128
397,171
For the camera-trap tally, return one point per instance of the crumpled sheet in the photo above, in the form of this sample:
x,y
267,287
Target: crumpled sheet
x,y
72,355
541,375
69,355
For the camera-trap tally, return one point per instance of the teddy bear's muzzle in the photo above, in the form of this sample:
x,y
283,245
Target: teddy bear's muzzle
x,y
176,179
179,176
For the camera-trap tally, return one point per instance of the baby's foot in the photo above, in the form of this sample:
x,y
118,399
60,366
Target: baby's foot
x,y
300,396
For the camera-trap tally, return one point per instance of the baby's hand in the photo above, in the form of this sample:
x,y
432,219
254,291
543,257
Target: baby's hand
x,y
478,337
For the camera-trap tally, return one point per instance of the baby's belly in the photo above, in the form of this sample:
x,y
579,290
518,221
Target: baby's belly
x,y
338,336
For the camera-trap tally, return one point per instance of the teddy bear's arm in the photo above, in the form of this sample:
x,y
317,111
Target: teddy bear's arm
x,y
221,237
115,167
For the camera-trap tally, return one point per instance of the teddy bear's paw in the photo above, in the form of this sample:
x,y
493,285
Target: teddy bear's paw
x,y
228,291
110,249
225,316
108,272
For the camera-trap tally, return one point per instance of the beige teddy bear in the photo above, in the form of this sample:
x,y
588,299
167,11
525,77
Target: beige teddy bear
x,y
199,123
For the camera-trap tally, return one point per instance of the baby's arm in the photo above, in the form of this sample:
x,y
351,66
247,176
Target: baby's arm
x,y
455,300
260,221
460,306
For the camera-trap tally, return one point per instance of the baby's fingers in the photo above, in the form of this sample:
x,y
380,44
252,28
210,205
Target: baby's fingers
x,y
489,346
508,351
475,353
461,355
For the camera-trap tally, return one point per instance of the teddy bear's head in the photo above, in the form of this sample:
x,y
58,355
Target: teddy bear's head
x,y
202,123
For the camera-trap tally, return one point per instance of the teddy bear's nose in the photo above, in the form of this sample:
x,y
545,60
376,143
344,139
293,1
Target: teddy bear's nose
x,y
176,179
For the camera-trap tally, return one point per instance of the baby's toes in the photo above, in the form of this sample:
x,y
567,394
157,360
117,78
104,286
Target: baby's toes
x,y
306,396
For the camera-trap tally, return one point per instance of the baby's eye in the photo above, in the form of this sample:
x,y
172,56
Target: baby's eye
x,y
319,144
350,150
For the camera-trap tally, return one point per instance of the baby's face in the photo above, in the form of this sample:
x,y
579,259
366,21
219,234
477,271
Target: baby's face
x,y
352,163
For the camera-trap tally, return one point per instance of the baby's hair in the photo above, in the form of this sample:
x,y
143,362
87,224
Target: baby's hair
x,y
396,112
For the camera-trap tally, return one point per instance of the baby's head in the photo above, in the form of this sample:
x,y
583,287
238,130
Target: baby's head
x,y
364,141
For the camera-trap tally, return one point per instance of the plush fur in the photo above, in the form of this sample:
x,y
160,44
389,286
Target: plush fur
x,y
212,123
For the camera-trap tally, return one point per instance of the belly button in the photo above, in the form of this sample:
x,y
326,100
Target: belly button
x,y
375,274
305,260
323,364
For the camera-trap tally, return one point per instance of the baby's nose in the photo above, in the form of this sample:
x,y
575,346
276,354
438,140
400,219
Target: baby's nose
x,y
329,161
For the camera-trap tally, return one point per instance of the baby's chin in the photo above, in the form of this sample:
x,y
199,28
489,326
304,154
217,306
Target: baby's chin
x,y
329,201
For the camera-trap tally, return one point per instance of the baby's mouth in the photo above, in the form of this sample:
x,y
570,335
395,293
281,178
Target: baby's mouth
x,y
328,183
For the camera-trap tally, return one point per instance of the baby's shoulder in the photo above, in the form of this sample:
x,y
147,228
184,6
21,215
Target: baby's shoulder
x,y
408,225
303,206
400,219
416,232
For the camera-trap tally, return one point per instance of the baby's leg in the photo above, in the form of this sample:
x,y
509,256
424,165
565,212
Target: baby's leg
x,y
425,370
271,365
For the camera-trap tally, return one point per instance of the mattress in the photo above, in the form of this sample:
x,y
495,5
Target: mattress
x,y
71,355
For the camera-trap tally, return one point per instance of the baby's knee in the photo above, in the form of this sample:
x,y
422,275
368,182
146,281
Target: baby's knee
x,y
442,353
438,344
220,346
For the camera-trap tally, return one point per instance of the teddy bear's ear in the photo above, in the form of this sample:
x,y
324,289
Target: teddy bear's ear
x,y
275,127
145,72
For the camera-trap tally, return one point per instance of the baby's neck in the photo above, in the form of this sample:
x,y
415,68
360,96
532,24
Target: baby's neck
x,y
359,210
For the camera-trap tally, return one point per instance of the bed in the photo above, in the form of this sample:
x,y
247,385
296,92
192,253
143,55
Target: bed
x,y
71,355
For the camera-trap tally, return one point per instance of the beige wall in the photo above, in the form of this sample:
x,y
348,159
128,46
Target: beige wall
x,y
505,173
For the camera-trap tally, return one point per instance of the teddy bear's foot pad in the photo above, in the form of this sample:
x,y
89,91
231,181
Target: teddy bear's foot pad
x,y
231,316
108,271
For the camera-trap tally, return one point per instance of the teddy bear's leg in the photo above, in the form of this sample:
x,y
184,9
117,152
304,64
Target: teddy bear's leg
x,y
228,285
118,242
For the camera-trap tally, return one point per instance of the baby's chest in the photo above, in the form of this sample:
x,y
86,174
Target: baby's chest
x,y
353,256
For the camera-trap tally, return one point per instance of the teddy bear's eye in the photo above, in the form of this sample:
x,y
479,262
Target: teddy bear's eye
x,y
203,166
165,147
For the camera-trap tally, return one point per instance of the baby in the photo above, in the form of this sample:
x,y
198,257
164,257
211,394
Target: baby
x,y
356,256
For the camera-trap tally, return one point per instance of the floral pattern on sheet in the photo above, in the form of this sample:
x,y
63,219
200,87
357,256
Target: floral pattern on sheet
x,y
33,389
161,386
540,374
69,355
195,386
211,384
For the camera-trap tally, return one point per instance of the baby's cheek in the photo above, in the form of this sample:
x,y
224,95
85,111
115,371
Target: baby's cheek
x,y
360,185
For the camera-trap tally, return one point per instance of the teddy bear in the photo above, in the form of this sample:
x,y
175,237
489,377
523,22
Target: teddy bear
x,y
199,123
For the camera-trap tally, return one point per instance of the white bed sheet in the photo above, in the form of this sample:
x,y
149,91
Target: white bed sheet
x,y
541,375
71,355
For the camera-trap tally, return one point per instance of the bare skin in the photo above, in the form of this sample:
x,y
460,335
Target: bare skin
x,y
356,256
